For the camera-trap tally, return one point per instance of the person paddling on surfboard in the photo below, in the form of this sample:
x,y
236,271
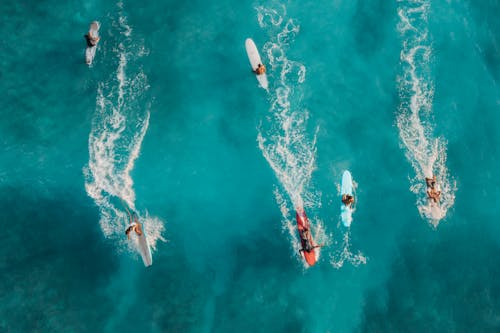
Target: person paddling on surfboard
x,y
347,199
261,69
91,39
304,232
305,236
136,227
133,224
432,193
430,182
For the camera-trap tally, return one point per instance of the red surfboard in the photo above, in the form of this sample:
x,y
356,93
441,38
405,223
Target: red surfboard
x,y
305,237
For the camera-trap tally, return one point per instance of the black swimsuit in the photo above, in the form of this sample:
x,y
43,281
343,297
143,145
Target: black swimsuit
x,y
89,41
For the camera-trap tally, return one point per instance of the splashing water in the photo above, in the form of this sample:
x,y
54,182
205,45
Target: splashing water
x,y
426,154
344,254
119,125
282,137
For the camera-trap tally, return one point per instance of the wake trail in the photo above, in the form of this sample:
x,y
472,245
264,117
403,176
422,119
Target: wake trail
x,y
426,153
119,125
344,254
282,135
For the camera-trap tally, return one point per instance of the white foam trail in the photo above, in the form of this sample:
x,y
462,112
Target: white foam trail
x,y
270,16
426,153
119,125
344,254
282,136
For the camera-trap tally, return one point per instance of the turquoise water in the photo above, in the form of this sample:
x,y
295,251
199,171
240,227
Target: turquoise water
x,y
170,120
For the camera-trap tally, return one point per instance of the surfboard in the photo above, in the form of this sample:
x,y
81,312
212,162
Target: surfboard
x,y
142,245
346,188
302,224
90,51
254,57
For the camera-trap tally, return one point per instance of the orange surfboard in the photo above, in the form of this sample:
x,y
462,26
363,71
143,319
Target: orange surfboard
x,y
305,237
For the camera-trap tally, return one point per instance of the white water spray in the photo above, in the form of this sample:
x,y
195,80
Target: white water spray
x,y
119,126
426,153
282,136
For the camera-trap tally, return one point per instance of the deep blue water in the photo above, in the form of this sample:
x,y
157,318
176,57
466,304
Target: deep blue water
x,y
170,120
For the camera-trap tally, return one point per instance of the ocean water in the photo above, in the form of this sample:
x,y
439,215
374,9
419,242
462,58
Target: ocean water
x,y
170,122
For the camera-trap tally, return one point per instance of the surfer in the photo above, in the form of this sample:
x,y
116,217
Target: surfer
x,y
261,69
432,193
305,236
135,227
91,39
430,182
133,224
347,199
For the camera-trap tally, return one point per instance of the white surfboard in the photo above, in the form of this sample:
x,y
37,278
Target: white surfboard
x,y
346,188
142,245
90,51
254,57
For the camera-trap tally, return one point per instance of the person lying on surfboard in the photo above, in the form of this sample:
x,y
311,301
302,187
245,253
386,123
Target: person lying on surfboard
x,y
133,225
305,236
432,193
136,227
261,69
90,38
430,182
347,199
